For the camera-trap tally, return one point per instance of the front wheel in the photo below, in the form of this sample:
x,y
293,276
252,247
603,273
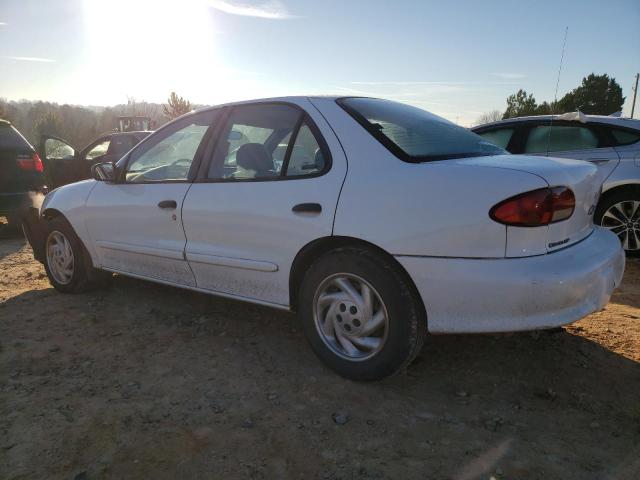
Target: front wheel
x,y
360,315
66,262
620,213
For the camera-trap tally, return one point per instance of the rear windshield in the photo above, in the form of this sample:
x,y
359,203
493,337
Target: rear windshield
x,y
415,135
10,138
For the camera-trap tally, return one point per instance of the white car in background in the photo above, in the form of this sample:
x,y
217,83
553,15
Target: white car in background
x,y
380,223
610,143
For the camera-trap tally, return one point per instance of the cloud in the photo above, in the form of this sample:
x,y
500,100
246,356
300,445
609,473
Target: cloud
x,y
30,59
271,9
509,76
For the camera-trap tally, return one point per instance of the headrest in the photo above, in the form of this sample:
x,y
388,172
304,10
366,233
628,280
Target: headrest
x,y
254,156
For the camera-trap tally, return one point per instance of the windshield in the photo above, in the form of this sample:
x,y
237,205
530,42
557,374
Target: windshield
x,y
415,135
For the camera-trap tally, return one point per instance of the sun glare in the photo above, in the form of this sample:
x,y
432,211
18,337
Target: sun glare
x,y
146,48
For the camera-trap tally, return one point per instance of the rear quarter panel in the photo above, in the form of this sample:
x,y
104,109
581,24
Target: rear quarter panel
x,y
628,170
430,209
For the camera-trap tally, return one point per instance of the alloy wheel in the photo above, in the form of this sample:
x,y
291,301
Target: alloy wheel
x,y
623,219
59,257
350,316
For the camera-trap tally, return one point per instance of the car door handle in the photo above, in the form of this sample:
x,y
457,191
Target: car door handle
x,y
307,208
170,204
598,161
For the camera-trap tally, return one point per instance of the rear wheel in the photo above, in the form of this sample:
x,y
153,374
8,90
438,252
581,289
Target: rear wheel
x,y
66,261
620,213
359,315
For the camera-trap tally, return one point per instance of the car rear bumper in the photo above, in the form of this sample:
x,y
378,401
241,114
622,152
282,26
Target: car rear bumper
x,y
19,203
514,294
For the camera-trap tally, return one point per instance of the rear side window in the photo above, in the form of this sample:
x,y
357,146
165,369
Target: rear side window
x,y
306,155
562,138
413,134
121,144
10,138
267,142
500,137
624,137
99,150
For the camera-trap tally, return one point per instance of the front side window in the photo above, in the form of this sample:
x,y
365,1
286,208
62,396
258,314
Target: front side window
x,y
98,150
168,155
413,134
500,137
559,138
266,141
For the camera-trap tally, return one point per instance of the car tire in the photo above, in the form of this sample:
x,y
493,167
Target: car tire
x,y
626,223
67,262
344,295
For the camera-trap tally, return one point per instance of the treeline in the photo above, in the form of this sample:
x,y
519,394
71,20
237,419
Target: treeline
x,y
80,125
596,95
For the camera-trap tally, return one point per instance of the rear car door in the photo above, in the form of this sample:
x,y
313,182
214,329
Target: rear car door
x,y
119,145
572,140
270,188
136,223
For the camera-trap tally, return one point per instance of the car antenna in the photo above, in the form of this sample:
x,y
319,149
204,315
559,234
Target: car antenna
x,y
555,97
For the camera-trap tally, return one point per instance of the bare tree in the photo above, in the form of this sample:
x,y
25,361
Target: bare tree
x,y
176,106
489,117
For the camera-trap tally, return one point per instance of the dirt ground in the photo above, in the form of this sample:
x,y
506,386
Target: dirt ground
x,y
146,381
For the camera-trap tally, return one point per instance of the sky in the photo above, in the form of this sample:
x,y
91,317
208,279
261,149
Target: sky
x,y
457,59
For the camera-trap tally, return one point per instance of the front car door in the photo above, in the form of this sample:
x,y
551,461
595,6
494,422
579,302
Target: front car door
x,y
270,187
136,223
572,140
93,153
58,159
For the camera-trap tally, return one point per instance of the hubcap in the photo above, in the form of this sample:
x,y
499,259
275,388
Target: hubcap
x,y
350,316
623,219
59,257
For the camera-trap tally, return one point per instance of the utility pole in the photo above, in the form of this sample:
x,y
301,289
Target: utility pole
x,y
635,92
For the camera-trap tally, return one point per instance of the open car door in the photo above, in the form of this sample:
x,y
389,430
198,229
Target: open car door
x,y
58,159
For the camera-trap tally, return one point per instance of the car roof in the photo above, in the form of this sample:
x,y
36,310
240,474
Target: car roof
x,y
617,121
132,132
289,99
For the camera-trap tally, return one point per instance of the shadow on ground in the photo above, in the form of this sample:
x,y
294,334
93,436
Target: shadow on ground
x,y
11,240
147,381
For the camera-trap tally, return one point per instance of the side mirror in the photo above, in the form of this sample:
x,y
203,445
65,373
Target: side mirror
x,y
104,172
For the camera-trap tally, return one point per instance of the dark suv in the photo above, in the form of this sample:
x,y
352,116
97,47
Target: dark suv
x,y
22,181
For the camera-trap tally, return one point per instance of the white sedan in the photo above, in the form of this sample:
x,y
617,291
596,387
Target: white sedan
x,y
376,221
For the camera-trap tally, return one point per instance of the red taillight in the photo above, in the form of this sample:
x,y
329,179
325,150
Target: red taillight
x,y
33,164
535,208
